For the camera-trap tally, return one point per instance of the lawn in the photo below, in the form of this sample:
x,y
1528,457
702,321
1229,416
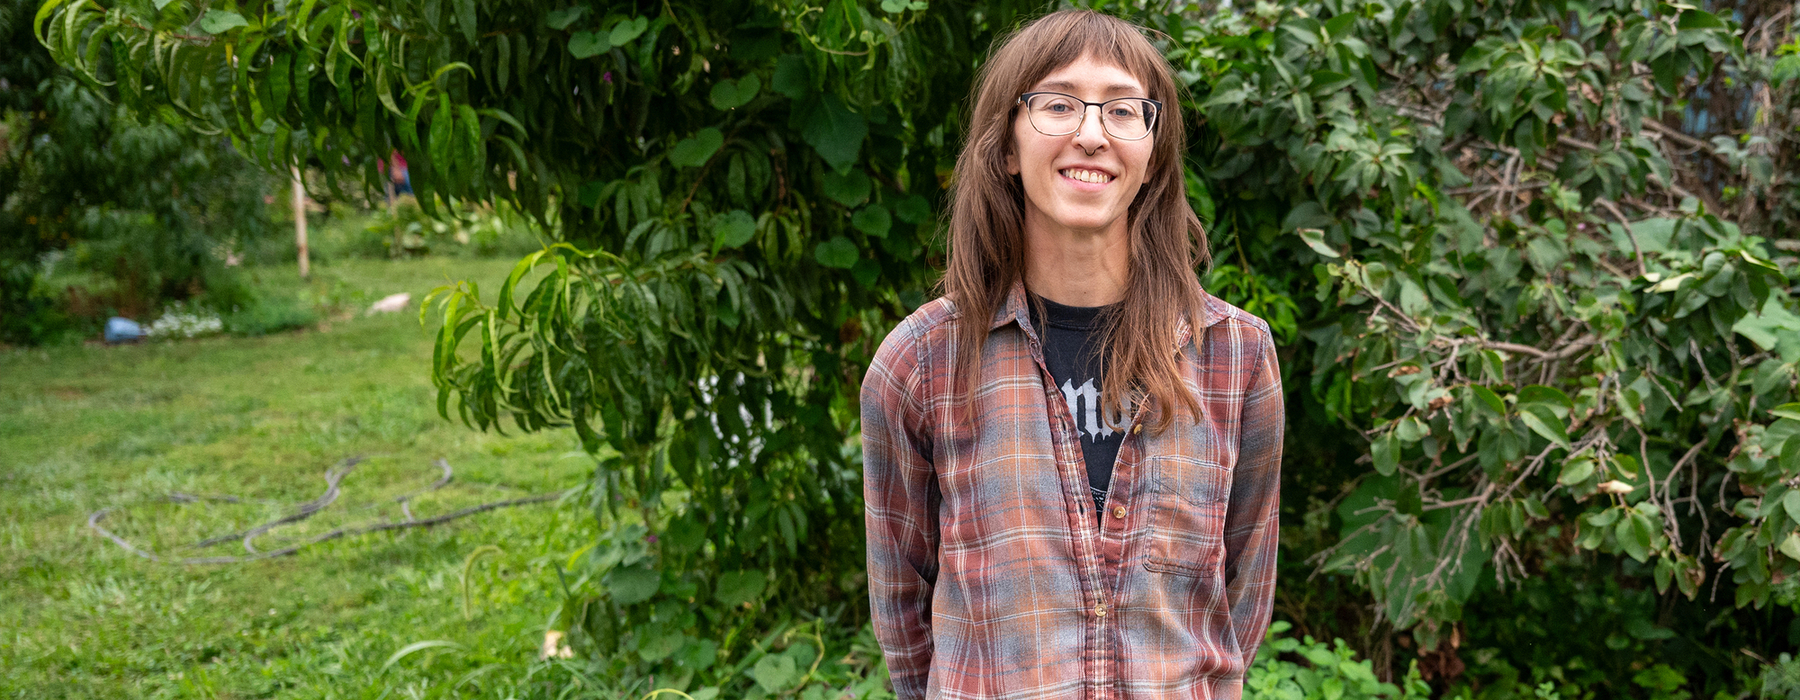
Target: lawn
x,y
84,428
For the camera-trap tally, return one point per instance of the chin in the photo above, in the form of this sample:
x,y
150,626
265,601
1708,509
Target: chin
x,y
1085,221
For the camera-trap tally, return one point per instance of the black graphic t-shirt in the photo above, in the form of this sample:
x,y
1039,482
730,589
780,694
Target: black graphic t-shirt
x,y
1073,352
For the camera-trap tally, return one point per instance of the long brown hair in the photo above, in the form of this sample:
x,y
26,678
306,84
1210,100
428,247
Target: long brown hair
x,y
987,213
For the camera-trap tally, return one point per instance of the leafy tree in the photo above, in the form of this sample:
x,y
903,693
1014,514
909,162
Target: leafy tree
x,y
1538,346
146,205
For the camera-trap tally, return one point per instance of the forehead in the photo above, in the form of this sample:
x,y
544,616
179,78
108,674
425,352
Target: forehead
x,y
1088,75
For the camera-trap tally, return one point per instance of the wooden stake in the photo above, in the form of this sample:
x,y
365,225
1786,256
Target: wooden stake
x,y
300,223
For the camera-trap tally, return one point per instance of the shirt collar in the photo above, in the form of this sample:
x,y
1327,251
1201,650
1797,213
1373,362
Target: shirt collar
x,y
1014,311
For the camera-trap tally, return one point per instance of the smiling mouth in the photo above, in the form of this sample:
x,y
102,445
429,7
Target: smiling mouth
x,y
1084,175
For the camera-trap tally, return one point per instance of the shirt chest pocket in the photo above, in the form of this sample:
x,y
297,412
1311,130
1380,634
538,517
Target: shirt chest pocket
x,y
1187,516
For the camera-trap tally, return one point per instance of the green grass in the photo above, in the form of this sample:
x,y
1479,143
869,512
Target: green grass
x,y
90,427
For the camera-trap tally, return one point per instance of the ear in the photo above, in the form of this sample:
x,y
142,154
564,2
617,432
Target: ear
x,y
1012,153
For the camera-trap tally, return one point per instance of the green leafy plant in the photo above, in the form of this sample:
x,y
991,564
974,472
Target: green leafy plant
x,y
143,211
1329,672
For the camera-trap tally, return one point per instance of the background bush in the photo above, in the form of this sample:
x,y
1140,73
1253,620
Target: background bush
x,y
130,210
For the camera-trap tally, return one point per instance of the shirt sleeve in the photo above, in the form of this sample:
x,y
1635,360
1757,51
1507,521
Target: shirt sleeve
x,y
1252,519
901,502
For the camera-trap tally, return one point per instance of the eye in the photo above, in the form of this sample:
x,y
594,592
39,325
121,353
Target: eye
x,y
1052,104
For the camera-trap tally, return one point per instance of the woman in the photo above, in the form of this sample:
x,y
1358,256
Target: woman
x,y
1072,457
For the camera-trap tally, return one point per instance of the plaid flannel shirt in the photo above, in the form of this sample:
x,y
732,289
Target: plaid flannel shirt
x,y
988,577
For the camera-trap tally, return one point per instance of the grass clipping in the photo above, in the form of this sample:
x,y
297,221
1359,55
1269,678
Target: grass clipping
x,y
334,479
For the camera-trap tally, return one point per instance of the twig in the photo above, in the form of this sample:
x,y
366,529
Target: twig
x,y
1637,251
1675,134
1541,355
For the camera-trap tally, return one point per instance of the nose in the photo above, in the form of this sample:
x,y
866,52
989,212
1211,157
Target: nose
x,y
1091,137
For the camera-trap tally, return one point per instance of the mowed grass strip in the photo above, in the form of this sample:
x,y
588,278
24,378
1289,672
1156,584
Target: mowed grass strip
x,y
89,427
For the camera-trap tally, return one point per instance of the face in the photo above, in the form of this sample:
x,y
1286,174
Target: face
x,y
1083,182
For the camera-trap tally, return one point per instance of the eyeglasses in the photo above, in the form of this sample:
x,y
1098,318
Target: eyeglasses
x,y
1057,114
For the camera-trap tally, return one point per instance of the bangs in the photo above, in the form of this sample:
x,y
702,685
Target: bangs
x,y
1058,40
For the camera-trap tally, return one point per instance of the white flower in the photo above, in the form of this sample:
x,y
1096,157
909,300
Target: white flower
x,y
179,322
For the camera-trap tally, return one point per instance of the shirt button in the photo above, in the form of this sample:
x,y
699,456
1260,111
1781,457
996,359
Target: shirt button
x,y
1137,429
1100,610
1119,512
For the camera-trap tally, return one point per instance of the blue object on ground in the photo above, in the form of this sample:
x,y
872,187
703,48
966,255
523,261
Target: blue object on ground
x,y
123,330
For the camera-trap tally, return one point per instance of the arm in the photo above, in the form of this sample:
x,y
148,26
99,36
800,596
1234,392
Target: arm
x,y
1253,518
901,500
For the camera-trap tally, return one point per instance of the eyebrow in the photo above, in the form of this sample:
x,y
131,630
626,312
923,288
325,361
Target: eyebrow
x,y
1113,89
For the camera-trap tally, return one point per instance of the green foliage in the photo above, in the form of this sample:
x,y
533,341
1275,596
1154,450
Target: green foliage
x,y
1503,367
148,208
1331,672
1781,680
703,326
1468,220
481,231
262,315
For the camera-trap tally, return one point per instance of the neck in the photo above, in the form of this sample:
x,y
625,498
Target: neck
x,y
1074,267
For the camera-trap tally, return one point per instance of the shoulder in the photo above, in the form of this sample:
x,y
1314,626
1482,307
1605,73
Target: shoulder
x,y
929,324
1239,332
909,345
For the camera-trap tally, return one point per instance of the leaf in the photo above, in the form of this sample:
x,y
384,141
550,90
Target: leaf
x,y
217,21
694,151
1791,545
660,644
1410,429
834,131
1786,410
838,252
465,20
1575,471
700,654
733,229
632,585
1791,502
1698,19
873,220
561,19
1325,82
416,647
792,77
775,672
1635,534
849,188
1550,396
589,44
629,29
740,587
1543,422
1626,464
732,94
915,210
1385,452
1489,398
1315,239
866,272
